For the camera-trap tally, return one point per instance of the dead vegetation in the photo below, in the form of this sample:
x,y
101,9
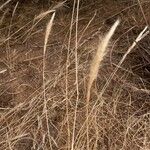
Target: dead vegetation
x,y
68,81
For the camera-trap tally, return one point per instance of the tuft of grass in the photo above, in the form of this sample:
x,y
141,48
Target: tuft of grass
x,y
95,64
48,30
98,57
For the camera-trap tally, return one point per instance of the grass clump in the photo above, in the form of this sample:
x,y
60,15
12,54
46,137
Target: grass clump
x,y
67,81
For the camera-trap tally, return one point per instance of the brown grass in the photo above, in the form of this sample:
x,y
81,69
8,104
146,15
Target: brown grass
x,y
67,81
97,59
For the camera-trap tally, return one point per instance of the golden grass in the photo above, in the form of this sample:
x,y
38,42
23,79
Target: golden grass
x,y
48,30
65,99
98,57
95,64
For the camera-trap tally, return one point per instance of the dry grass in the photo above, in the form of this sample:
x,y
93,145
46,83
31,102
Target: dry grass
x,y
66,83
97,59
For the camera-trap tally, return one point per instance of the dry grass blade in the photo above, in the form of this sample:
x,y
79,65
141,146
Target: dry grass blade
x,y
3,71
101,52
76,75
67,75
48,30
1,7
42,15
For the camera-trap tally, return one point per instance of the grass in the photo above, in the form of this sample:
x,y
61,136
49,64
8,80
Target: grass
x,y
73,76
97,59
